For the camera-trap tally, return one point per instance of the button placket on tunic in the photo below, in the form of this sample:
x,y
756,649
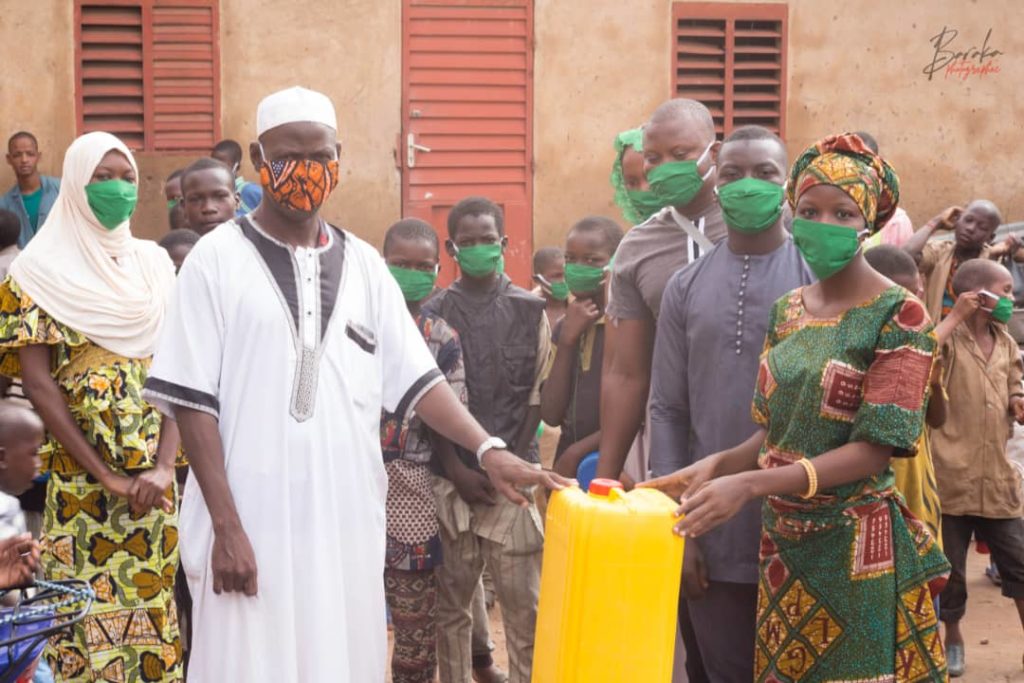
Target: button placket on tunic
x,y
739,311
309,276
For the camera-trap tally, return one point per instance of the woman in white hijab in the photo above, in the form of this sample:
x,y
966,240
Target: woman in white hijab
x,y
79,318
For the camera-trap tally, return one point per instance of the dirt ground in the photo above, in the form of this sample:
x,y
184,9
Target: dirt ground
x,y
992,629
995,640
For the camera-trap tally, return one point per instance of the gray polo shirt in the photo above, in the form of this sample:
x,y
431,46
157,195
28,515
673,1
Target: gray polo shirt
x,y
714,316
650,253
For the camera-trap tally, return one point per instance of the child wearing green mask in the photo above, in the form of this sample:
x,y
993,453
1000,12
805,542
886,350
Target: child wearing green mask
x,y
549,274
505,341
572,388
978,485
411,251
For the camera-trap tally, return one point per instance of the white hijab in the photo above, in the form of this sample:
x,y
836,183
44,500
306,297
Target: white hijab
x,y
105,284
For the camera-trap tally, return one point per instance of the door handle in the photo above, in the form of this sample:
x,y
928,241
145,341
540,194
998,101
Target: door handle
x,y
410,150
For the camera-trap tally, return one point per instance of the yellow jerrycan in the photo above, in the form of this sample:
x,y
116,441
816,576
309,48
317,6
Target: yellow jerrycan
x,y
609,587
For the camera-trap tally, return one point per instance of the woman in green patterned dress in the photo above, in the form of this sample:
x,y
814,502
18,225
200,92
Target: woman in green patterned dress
x,y
847,575
79,317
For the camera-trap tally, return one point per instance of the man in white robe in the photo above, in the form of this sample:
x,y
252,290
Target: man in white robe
x,y
285,339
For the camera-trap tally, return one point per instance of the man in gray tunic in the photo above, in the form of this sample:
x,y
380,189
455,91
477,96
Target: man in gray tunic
x,y
711,329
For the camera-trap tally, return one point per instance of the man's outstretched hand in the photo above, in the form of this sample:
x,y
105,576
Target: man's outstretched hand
x,y
509,473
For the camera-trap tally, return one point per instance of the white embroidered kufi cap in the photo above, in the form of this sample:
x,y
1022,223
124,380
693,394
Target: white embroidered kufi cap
x,y
294,105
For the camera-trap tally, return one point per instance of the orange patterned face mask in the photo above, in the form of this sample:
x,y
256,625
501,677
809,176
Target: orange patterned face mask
x,y
302,185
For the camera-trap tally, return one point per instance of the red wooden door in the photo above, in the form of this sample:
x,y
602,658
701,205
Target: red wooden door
x,y
467,99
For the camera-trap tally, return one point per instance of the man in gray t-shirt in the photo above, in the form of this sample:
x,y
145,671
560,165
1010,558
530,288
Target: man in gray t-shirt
x,y
714,316
652,252
679,146
680,130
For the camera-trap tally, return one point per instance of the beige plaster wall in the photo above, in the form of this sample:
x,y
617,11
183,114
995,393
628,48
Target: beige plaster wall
x,y
950,140
37,86
600,66
350,50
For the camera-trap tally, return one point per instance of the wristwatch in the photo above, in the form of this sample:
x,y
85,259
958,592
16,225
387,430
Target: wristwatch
x,y
490,443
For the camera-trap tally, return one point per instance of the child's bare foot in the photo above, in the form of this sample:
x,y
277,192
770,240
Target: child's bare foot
x,y
955,655
490,674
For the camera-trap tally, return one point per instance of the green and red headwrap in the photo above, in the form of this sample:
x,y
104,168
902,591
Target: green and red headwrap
x,y
845,162
631,138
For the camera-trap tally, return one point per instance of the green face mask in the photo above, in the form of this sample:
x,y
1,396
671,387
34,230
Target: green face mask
x,y
1003,309
416,285
112,201
480,260
583,279
676,183
645,202
558,289
751,205
171,203
825,247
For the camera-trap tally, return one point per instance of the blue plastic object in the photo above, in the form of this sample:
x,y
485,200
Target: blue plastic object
x,y
25,628
16,658
587,470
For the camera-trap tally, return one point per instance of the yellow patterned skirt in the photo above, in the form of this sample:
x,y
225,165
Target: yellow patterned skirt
x,y
131,633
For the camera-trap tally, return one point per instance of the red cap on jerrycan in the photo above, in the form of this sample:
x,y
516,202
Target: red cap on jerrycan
x,y
602,487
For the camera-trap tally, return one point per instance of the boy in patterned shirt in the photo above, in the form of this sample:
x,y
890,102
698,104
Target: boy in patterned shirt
x,y
411,251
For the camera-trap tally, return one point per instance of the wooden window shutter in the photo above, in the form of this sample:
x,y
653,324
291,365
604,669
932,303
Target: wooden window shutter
x,y
732,57
185,75
111,96
149,72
